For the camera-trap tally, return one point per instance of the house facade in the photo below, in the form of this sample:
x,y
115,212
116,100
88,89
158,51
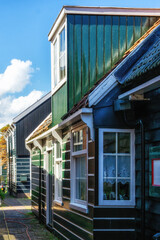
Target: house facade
x,y
94,172
18,155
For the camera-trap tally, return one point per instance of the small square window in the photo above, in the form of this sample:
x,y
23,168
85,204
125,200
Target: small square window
x,y
79,140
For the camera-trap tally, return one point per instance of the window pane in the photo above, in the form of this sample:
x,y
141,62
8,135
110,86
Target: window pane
x,y
80,178
59,180
123,166
62,54
109,189
123,189
109,142
123,142
58,150
109,166
79,140
55,64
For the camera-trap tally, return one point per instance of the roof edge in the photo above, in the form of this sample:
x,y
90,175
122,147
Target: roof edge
x,y
32,107
100,11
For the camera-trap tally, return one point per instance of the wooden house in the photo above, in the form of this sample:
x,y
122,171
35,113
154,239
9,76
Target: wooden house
x,y
18,155
95,170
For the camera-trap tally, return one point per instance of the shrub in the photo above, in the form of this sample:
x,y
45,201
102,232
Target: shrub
x,y
2,194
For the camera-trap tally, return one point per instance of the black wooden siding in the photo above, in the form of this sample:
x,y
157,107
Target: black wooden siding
x,y
151,118
23,168
26,125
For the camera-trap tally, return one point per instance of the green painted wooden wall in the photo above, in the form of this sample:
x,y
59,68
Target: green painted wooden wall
x,y
95,44
59,104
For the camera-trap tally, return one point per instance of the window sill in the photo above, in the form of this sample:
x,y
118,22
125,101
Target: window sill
x,y
78,207
118,204
57,202
59,85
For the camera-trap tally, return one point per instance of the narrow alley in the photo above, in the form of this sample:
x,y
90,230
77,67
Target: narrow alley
x,y
17,222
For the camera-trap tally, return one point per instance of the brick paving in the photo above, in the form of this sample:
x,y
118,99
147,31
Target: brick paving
x,y
16,217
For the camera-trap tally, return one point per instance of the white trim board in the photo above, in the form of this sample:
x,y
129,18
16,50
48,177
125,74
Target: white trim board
x,y
143,88
32,107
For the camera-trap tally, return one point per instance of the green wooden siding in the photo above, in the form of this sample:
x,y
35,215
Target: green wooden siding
x,y
95,44
59,104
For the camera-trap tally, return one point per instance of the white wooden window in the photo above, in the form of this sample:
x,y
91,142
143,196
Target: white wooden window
x,y
55,62
59,59
14,169
58,172
116,167
79,169
62,64
13,143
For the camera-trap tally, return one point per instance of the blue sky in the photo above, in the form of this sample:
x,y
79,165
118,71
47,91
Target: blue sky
x,y
24,26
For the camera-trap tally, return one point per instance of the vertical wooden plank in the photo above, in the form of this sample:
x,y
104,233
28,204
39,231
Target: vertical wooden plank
x,y
115,40
137,28
85,54
129,32
122,36
77,57
100,46
92,50
70,27
145,24
107,41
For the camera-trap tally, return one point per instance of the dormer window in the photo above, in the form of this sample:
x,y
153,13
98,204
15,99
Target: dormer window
x,y
55,64
59,59
62,65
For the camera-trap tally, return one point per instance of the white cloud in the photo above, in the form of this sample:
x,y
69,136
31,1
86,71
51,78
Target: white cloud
x,y
10,107
16,76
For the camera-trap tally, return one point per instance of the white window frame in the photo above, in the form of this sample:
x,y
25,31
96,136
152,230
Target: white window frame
x,y
78,204
130,202
60,83
14,169
56,162
13,140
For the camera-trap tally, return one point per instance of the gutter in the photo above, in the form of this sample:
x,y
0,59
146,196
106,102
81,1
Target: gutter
x,y
84,114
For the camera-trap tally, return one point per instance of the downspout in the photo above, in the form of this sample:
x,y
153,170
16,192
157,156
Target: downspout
x,y
9,175
142,179
40,196
142,132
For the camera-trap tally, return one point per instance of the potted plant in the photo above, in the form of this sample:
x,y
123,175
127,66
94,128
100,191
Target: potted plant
x,y
2,195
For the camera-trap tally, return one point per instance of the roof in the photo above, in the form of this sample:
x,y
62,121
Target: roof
x,y
146,66
100,11
32,107
155,28
144,61
43,127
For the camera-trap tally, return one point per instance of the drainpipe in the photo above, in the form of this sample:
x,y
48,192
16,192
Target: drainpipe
x,y
9,175
40,176
142,180
142,132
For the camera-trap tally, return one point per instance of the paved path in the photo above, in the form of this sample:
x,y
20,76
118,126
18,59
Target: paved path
x,y
18,223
